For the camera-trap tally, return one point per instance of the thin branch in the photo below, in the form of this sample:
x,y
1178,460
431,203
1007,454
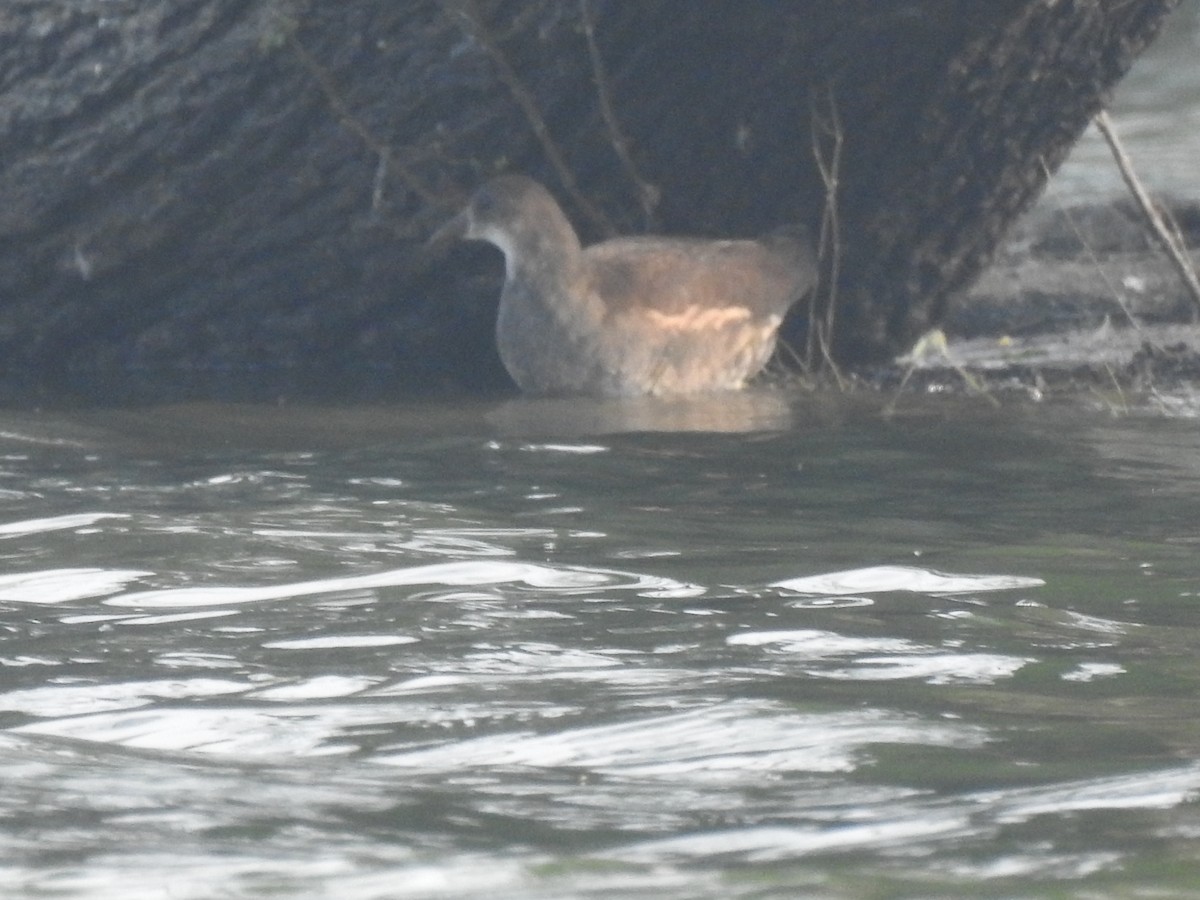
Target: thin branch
x,y
931,343
1170,240
471,20
352,123
1117,294
648,194
827,138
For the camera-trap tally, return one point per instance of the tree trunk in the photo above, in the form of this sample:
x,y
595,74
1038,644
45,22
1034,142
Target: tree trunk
x,y
244,186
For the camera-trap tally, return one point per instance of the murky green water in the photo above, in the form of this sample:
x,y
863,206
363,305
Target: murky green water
x,y
767,647
1156,111
507,650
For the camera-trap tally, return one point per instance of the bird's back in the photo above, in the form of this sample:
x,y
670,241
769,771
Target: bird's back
x,y
681,315
686,278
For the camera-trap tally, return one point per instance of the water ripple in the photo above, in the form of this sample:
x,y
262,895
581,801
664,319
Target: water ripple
x,y
55,523
280,727
459,574
338,641
60,700
52,586
875,579
904,658
732,741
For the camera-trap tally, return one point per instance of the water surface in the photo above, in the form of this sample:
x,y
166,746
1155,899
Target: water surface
x,y
1156,112
772,646
513,650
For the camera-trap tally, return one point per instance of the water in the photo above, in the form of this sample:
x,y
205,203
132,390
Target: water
x,y
768,647
507,650
1156,112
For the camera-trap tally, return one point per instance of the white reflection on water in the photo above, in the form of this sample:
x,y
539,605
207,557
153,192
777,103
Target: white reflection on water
x,y
463,573
179,617
810,643
916,821
1161,789
763,843
55,523
579,449
333,641
63,585
57,700
474,573
933,668
906,659
276,732
185,874
1091,671
732,741
323,687
876,579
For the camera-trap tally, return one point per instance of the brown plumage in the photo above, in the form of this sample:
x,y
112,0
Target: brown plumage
x,y
630,316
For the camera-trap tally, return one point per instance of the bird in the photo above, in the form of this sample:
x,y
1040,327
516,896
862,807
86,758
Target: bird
x,y
630,316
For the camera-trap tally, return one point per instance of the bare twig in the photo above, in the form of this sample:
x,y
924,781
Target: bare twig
x,y
648,194
352,123
1170,240
1117,294
929,344
790,360
1122,405
827,137
467,13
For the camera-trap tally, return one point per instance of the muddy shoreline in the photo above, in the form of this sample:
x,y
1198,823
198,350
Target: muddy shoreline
x,y
1079,301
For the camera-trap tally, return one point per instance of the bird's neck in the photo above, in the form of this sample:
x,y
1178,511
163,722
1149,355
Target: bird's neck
x,y
550,254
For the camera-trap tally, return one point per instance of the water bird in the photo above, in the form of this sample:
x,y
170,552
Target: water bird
x,y
630,316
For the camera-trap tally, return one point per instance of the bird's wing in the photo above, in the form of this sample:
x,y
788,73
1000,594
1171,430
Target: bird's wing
x,y
693,283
